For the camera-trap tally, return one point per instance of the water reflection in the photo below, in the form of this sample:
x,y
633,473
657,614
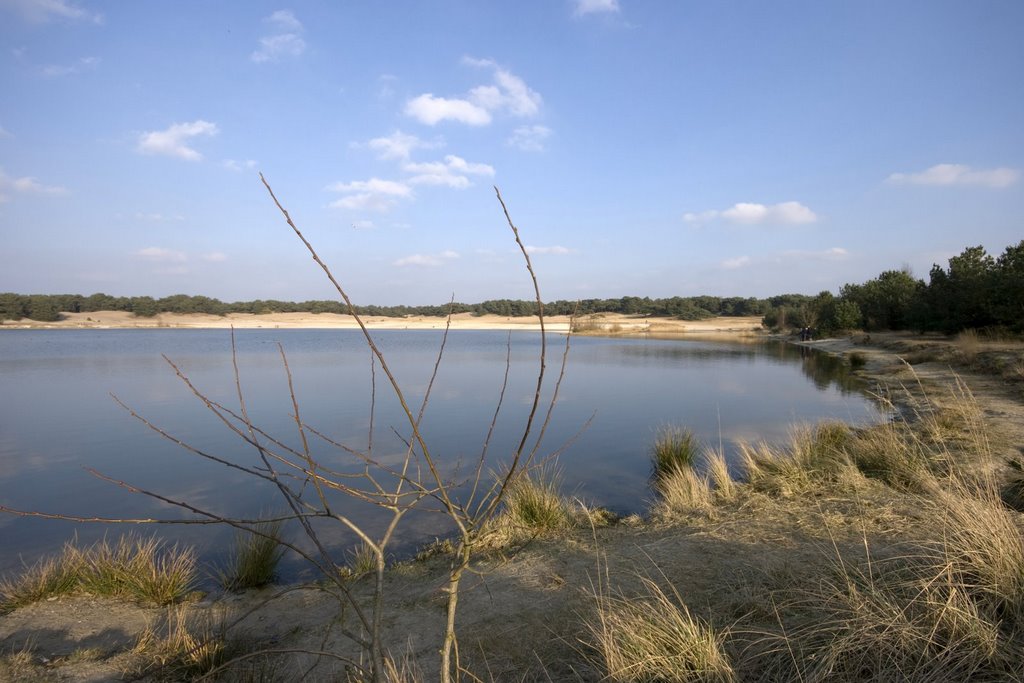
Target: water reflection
x,y
56,415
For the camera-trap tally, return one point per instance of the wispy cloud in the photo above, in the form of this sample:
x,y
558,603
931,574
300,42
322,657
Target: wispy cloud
x,y
286,41
738,262
830,254
428,260
25,185
58,70
507,94
958,174
398,145
369,195
42,11
214,257
596,6
235,165
529,138
786,258
748,213
4,133
161,255
555,249
363,225
172,141
452,172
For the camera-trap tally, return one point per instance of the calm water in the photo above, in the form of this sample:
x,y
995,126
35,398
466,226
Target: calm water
x,y
57,416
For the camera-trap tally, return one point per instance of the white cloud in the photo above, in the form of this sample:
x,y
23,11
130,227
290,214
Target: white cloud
x,y
25,185
734,263
596,6
214,257
958,174
171,142
452,172
556,250
41,11
161,255
30,185
234,165
398,145
831,254
747,213
429,260
286,42
370,195
284,20
58,70
4,133
363,225
507,94
702,217
529,138
432,110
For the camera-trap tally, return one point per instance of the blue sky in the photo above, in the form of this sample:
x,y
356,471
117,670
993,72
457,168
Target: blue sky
x,y
644,148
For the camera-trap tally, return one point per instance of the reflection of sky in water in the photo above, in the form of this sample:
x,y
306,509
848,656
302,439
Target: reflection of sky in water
x,y
56,415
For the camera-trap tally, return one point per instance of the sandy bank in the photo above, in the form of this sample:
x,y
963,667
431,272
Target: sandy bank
x,y
602,324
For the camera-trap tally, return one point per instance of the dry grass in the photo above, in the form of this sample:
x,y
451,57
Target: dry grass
x,y
682,490
654,637
137,568
183,646
718,475
674,448
48,577
535,505
362,560
254,558
945,607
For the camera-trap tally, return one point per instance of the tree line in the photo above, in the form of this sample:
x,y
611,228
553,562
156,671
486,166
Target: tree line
x,y
48,307
974,291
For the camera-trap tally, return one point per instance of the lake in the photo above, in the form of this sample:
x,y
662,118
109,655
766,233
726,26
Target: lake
x,y
57,416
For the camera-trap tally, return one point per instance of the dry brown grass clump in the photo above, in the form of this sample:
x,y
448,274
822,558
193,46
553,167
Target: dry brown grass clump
x,y
653,637
138,568
182,646
254,558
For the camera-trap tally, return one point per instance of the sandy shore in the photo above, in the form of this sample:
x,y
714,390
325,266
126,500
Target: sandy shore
x,y
602,324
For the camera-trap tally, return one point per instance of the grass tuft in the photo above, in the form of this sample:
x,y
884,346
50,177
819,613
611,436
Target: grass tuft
x,y
254,559
535,504
142,569
680,491
49,577
184,646
674,448
362,560
655,638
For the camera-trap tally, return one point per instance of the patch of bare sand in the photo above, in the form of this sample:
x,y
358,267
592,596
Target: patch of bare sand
x,y
603,324
523,615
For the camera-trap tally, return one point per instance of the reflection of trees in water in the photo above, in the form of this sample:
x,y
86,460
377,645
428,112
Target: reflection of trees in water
x,y
823,369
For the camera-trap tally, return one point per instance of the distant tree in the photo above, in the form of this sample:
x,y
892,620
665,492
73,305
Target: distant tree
x,y
1008,288
887,301
144,306
12,306
41,307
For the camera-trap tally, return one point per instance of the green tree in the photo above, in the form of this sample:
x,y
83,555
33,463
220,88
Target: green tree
x,y
1008,288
